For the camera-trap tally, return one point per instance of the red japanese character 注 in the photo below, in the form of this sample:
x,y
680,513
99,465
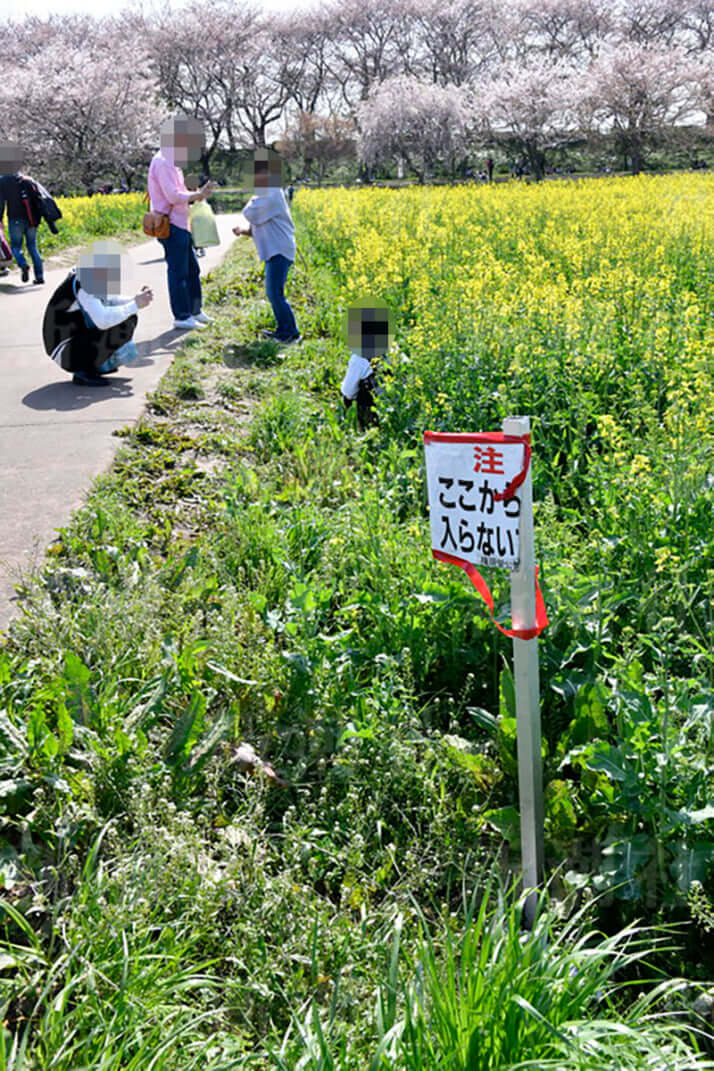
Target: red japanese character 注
x,y
488,459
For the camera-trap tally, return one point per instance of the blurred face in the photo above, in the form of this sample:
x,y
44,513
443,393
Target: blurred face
x,y
11,157
99,269
182,140
267,170
369,329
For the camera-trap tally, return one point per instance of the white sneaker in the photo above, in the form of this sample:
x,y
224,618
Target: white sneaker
x,y
187,324
202,318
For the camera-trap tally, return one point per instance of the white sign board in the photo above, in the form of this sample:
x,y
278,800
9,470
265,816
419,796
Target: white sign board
x,y
467,476
481,508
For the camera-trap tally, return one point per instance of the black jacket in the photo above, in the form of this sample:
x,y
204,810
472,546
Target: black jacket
x,y
10,196
87,348
48,207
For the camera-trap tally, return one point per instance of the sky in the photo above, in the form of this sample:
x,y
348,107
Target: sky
x,y
18,8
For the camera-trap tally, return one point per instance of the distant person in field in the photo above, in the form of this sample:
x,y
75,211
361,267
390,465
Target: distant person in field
x,y
182,140
23,210
88,328
267,219
369,331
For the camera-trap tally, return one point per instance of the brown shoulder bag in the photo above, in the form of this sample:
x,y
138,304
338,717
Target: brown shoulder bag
x,y
156,224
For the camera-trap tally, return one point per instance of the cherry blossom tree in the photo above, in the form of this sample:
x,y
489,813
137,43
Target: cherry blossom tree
x,y
527,109
565,29
262,84
25,40
370,42
654,22
84,110
316,144
457,41
199,56
640,93
705,92
308,40
425,125
697,24
86,93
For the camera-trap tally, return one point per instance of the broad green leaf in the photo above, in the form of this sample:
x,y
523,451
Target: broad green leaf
x,y
483,718
590,720
65,728
507,821
101,561
610,761
508,745
206,746
506,694
187,729
77,677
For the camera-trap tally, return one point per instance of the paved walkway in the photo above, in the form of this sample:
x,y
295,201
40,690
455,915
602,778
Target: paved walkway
x,y
56,437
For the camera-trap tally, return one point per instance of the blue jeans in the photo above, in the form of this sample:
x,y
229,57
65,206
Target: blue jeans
x,y
17,230
183,274
124,355
276,272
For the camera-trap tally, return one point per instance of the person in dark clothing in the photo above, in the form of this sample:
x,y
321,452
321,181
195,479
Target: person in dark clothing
x,y
20,226
88,329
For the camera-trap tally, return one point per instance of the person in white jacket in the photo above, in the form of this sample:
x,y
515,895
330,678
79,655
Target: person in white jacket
x,y
370,327
267,219
88,328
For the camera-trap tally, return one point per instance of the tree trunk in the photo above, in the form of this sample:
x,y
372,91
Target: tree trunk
x,y
536,160
636,156
365,173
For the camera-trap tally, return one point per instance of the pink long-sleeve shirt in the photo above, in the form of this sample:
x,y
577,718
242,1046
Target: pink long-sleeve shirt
x,y
167,191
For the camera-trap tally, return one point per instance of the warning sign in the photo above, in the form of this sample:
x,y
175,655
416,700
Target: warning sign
x,y
474,505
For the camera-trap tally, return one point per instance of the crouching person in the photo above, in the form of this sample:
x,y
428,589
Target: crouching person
x,y
88,329
369,335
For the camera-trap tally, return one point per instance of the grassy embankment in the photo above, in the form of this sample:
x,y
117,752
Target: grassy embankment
x,y
251,570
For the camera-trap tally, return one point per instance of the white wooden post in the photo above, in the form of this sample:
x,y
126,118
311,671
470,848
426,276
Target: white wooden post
x,y
525,676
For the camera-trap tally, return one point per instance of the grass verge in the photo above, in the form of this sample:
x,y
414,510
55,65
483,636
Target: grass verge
x,y
239,742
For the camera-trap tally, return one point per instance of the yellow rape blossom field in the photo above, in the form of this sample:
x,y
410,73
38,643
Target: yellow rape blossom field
x,y
589,306
111,215
580,271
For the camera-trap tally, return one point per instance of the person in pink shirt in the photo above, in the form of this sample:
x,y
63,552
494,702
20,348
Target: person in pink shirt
x,y
181,141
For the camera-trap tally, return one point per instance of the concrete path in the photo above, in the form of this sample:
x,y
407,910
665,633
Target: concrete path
x,y
55,437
